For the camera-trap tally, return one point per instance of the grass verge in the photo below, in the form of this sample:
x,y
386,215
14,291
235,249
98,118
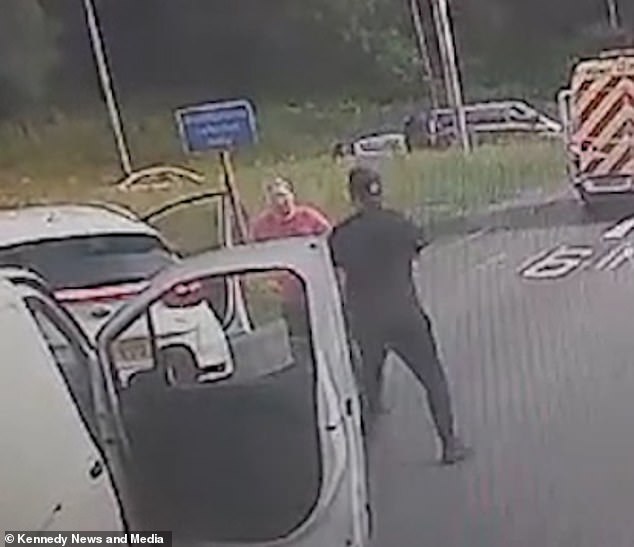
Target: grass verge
x,y
58,159
427,180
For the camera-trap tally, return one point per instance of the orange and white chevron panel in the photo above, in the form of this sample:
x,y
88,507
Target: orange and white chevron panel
x,y
603,117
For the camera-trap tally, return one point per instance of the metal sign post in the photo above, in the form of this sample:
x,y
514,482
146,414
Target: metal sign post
x,y
131,177
230,183
106,86
613,14
454,85
223,127
428,71
442,52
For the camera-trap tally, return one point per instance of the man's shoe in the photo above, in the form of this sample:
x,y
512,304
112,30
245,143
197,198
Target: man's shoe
x,y
455,452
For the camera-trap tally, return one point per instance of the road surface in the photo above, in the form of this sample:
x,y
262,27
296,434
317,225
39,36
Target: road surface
x,y
534,321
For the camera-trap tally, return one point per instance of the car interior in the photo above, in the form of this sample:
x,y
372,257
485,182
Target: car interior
x,y
210,461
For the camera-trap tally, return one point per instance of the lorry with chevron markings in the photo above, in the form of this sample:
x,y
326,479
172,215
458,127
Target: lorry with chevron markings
x,y
597,112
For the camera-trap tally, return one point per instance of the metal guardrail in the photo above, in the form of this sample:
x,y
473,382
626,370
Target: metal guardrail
x,y
495,117
484,118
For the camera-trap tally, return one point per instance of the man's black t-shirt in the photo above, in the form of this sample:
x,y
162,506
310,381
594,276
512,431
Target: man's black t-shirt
x,y
375,249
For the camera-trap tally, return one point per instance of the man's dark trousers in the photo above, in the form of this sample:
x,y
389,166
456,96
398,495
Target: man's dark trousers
x,y
409,334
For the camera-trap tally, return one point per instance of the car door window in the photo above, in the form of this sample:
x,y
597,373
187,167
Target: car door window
x,y
223,424
191,225
71,359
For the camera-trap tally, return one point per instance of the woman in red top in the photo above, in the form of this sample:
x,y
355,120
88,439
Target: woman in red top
x,y
284,217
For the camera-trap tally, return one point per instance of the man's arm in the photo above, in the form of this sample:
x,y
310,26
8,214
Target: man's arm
x,y
421,241
335,245
416,236
417,241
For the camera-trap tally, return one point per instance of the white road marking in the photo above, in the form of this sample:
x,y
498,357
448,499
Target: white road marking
x,y
534,259
560,262
626,253
619,230
606,261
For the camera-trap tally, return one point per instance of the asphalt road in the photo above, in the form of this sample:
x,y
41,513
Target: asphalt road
x,y
542,372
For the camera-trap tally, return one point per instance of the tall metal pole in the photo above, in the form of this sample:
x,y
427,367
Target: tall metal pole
x,y
106,86
442,50
455,85
613,14
423,48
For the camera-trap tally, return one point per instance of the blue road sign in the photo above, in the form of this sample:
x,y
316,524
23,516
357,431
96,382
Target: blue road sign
x,y
217,126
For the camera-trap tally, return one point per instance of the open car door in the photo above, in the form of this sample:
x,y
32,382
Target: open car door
x,y
207,221
272,455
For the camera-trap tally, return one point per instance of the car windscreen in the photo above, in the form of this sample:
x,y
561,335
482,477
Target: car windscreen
x,y
90,261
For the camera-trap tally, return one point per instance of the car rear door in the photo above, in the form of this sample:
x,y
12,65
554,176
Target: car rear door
x,y
340,512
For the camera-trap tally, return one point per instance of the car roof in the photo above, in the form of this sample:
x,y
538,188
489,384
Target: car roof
x,y
42,222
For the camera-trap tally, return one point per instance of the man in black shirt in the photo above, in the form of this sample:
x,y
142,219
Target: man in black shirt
x,y
374,250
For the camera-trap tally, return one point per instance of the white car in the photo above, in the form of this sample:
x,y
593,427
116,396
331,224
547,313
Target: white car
x,y
95,259
53,476
373,146
272,455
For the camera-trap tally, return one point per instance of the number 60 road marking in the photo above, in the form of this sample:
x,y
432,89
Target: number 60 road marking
x,y
563,260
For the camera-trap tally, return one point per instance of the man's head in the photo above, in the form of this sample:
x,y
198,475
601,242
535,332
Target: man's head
x,y
280,195
365,187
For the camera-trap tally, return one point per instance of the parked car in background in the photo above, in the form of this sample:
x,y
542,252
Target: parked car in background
x,y
372,145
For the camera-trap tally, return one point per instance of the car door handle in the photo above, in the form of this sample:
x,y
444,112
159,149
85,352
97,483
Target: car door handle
x,y
96,470
100,312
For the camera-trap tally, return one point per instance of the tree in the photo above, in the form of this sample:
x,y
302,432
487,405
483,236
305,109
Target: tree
x,y
28,52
